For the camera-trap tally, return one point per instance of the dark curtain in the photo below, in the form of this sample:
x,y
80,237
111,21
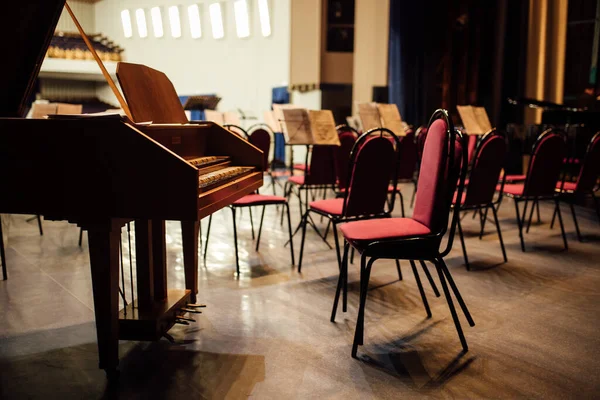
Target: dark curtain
x,y
455,52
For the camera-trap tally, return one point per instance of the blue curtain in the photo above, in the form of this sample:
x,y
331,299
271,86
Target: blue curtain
x,y
280,95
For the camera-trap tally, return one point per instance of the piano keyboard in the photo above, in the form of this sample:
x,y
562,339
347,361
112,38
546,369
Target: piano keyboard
x,y
222,175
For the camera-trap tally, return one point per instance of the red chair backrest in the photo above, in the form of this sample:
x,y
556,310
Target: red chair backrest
x,y
322,169
420,137
471,145
372,164
262,140
438,174
588,176
408,156
342,157
545,165
488,160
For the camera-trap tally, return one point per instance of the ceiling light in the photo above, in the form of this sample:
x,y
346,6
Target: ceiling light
x,y
174,21
126,20
216,20
140,18
265,18
194,18
157,24
242,23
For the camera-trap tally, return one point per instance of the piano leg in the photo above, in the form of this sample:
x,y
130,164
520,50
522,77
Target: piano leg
x,y
144,264
190,231
159,259
104,240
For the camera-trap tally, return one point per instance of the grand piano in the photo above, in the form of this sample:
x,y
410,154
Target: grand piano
x,y
100,172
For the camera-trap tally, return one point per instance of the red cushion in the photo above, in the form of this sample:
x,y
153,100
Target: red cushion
x,y
259,199
516,189
297,179
515,178
383,228
300,167
328,206
571,186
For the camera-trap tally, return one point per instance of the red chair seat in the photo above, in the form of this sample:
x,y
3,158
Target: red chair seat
x,y
516,189
569,186
296,179
384,228
515,178
259,200
328,206
300,167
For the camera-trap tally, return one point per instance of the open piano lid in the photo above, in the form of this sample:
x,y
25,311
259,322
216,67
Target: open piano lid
x,y
26,28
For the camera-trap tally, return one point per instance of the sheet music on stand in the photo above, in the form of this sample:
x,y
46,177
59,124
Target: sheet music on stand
x,y
279,117
302,126
474,119
222,118
271,121
201,103
378,115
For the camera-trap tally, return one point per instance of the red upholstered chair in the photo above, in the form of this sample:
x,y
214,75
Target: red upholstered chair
x,y
262,140
542,176
348,137
586,183
372,164
486,166
419,237
320,175
407,164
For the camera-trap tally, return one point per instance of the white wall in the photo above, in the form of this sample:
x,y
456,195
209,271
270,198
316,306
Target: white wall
x,y
241,71
84,12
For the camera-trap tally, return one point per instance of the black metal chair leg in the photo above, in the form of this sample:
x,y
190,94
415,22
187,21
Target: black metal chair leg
x,y
597,203
454,288
352,257
2,253
414,194
287,208
530,215
251,222
360,322
462,243
80,236
430,279
575,221
401,204
520,223
208,235
539,218
560,222
340,285
482,222
399,270
327,229
423,296
337,244
459,330
39,220
553,219
262,217
235,242
499,233
304,221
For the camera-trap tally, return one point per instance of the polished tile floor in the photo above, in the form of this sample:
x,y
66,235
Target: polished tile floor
x,y
267,333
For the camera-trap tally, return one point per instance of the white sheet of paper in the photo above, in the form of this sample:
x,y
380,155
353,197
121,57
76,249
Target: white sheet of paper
x,y
482,119
323,127
391,119
279,117
369,116
470,123
297,126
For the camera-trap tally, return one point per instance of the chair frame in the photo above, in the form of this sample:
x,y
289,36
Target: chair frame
x,y
570,196
535,199
494,204
335,220
422,248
